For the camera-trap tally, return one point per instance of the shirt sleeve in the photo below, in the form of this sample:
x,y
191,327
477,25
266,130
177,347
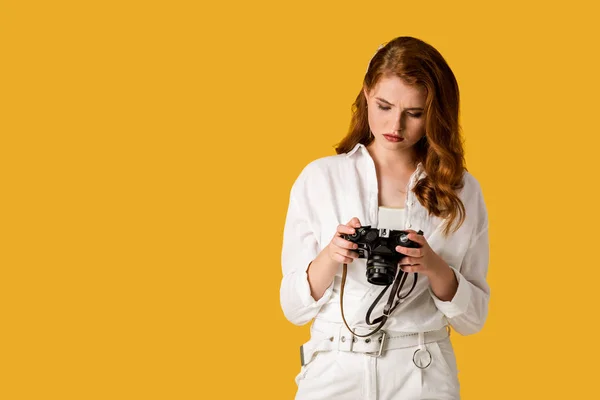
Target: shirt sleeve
x,y
468,309
299,249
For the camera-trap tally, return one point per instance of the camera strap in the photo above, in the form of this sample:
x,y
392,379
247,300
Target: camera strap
x,y
396,289
388,309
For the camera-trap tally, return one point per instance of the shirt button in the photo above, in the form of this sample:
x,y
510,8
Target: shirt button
x,y
409,225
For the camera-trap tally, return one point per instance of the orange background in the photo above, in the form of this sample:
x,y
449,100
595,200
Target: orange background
x,y
148,150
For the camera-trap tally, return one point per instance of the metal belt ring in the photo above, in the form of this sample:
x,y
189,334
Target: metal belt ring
x,y
415,361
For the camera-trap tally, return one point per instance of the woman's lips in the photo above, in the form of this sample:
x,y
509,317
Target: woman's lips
x,y
393,138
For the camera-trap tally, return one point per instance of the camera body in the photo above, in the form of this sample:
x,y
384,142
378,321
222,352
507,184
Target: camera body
x,y
378,246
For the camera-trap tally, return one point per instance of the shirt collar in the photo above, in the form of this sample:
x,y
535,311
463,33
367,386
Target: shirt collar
x,y
356,147
420,167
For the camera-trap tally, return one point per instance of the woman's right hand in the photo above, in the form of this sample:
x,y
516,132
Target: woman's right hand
x,y
341,250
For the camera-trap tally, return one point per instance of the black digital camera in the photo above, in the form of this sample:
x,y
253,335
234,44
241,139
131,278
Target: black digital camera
x,y
378,246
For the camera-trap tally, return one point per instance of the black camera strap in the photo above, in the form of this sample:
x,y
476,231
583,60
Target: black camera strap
x,y
396,289
344,273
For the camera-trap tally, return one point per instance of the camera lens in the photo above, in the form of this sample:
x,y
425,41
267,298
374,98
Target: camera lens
x,y
381,271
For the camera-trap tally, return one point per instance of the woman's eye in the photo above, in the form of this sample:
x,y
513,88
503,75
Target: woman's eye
x,y
388,108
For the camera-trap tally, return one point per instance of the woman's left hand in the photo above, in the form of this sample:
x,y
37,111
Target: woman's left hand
x,y
422,260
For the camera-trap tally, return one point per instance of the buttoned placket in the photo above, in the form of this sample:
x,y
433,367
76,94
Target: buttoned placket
x,y
409,200
373,187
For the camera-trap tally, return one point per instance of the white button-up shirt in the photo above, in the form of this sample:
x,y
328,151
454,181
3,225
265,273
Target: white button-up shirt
x,y
332,190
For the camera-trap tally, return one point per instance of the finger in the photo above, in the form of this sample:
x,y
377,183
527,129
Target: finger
x,y
344,244
411,252
415,237
410,269
341,259
345,252
347,255
345,229
354,222
407,261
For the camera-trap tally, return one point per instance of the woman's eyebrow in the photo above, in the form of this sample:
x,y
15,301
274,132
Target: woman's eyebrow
x,y
409,108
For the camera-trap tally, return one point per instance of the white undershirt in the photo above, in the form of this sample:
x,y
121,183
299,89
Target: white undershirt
x,y
391,218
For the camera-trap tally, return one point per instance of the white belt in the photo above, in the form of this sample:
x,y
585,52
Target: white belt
x,y
333,336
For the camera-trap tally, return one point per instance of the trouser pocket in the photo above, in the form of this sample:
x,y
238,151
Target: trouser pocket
x,y
442,375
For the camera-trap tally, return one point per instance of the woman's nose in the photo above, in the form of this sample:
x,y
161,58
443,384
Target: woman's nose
x,y
398,122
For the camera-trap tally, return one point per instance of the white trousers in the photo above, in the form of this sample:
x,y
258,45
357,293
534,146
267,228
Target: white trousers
x,y
419,371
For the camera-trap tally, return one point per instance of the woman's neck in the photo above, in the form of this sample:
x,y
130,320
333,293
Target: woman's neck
x,y
402,161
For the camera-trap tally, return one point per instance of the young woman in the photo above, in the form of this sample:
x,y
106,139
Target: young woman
x,y
400,168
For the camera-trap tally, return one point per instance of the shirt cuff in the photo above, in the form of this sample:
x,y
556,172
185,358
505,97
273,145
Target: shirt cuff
x,y
304,291
459,303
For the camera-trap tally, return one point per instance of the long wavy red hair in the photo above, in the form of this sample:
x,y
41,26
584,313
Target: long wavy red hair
x,y
441,150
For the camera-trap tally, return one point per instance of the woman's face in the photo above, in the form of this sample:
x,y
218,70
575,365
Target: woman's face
x,y
396,109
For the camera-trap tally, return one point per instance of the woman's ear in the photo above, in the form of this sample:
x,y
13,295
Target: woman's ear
x,y
365,94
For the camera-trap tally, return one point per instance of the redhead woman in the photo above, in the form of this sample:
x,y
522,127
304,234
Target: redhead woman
x,y
385,244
